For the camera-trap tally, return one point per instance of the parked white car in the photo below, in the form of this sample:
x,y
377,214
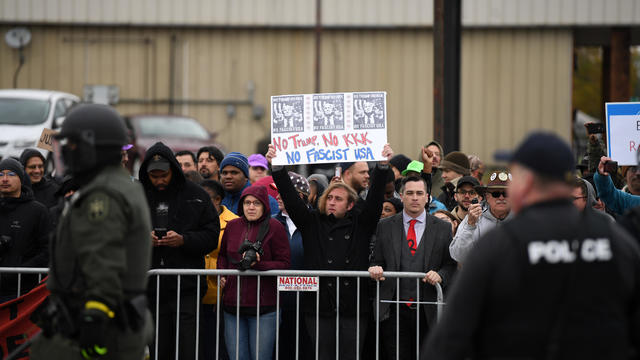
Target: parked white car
x,y
23,116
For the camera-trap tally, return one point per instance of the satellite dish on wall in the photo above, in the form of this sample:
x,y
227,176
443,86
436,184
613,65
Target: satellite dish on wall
x,y
18,37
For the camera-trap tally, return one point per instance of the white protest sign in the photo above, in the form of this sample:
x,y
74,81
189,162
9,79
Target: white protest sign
x,y
298,283
328,128
623,131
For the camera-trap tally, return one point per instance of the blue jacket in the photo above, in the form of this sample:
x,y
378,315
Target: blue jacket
x,y
436,205
295,243
616,200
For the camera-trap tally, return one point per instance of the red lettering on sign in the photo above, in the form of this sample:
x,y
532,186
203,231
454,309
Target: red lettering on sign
x,y
329,139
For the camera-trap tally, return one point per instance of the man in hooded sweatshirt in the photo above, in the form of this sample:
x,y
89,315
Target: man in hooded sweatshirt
x,y
44,189
24,228
185,229
436,175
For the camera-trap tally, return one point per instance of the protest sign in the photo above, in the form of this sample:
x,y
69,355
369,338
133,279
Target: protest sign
x,y
46,139
328,128
623,131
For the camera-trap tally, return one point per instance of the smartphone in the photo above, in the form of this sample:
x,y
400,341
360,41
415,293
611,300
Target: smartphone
x,y
338,172
595,128
611,167
474,201
160,233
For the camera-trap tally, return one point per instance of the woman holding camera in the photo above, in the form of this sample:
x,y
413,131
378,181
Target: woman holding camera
x,y
253,241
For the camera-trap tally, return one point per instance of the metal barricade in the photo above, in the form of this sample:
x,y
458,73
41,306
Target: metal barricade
x,y
179,273
19,271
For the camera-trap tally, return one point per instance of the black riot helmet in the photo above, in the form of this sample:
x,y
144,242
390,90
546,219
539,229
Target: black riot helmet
x,y
92,136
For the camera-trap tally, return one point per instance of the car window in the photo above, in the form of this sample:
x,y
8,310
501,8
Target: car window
x,y
61,109
23,111
172,127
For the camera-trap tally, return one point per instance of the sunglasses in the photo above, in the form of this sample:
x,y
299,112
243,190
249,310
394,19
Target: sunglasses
x,y
496,194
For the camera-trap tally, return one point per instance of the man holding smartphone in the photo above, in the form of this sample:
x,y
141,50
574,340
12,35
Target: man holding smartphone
x,y
185,229
479,219
617,200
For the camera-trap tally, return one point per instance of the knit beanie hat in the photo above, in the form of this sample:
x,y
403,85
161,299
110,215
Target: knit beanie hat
x,y
400,162
238,160
28,154
15,166
456,161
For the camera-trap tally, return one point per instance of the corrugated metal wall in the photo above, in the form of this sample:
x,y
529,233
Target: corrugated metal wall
x,y
334,12
511,80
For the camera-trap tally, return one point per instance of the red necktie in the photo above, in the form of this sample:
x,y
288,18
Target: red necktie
x,y
411,236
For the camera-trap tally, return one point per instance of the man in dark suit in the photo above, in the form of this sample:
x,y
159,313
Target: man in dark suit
x,y
411,241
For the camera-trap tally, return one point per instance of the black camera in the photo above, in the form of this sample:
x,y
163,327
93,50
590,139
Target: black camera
x,y
249,249
6,242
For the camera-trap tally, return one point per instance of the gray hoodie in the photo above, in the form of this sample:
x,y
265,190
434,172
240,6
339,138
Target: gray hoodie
x,y
467,235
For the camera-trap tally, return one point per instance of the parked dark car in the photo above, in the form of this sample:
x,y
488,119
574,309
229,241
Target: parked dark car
x,y
177,132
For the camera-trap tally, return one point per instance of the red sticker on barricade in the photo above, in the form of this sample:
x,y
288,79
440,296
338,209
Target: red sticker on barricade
x,y
298,283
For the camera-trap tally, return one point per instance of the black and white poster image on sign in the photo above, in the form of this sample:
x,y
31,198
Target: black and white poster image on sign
x,y
368,110
328,112
287,113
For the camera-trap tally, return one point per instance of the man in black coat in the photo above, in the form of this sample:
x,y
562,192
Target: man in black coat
x,y
185,229
335,237
44,189
24,228
411,241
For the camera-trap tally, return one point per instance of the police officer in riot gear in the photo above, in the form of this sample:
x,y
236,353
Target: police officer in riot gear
x,y
554,283
101,253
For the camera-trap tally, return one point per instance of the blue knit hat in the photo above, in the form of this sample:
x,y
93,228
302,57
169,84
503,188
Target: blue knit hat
x,y
238,160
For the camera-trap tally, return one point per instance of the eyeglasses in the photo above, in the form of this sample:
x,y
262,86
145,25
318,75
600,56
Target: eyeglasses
x,y
578,197
9,174
248,203
496,194
470,192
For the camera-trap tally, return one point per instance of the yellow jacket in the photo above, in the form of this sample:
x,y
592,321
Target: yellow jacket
x,y
211,259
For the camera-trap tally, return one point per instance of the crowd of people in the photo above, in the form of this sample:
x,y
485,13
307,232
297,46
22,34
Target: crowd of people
x,y
214,211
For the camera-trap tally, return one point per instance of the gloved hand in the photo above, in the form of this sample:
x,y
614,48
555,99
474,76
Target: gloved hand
x,y
93,326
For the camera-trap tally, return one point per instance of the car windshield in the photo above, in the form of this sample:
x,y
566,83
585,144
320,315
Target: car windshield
x,y
171,127
23,111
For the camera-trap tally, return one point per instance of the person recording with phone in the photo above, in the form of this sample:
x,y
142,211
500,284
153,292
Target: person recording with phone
x,y
185,229
254,241
617,200
480,219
